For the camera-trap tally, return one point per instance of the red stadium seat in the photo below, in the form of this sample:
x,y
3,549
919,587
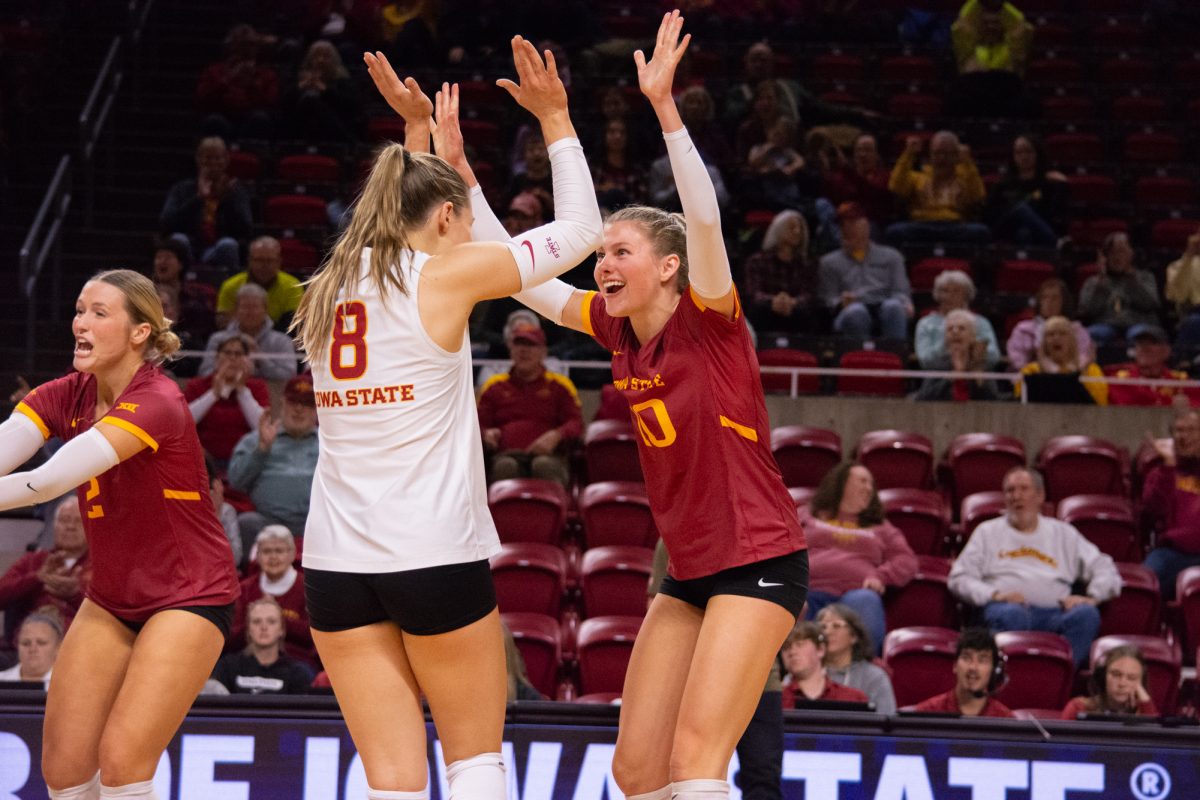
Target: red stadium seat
x,y
897,458
1054,70
925,271
977,462
925,600
978,508
1153,148
1040,669
1187,70
1172,234
610,450
1074,148
1075,465
1068,108
528,509
482,96
805,454
838,67
295,211
914,104
480,133
616,513
1164,191
1138,108
870,385
539,640
614,579
1137,609
388,128
907,68
244,166
921,660
603,649
1091,190
1124,69
300,258
1083,272
530,576
1105,520
921,515
1187,594
1115,32
759,219
1163,665
306,168
1023,276
784,357
1092,232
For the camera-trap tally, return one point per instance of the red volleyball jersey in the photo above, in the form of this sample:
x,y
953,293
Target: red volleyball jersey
x,y
154,538
705,441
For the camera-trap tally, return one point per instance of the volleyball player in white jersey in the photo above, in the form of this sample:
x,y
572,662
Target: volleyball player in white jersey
x,y
398,588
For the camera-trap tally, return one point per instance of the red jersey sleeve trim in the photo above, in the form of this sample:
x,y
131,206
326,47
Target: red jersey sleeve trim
x,y
749,433
179,494
129,427
585,313
34,418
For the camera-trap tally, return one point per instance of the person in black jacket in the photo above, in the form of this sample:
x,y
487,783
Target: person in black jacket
x,y
263,668
210,212
1029,203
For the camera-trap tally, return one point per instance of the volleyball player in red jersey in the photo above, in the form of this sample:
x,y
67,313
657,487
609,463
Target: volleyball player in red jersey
x,y
163,585
683,358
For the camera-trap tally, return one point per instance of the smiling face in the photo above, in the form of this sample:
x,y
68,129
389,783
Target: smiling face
x,y
275,556
857,493
105,336
37,648
1121,680
629,272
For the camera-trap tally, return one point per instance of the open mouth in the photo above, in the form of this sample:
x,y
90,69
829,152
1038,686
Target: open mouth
x,y
83,347
612,287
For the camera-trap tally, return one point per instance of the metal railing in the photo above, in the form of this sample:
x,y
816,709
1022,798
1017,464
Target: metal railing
x,y
42,243
93,123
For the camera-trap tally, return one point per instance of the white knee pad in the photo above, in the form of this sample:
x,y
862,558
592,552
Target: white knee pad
x,y
700,789
380,794
140,791
84,791
480,777
658,794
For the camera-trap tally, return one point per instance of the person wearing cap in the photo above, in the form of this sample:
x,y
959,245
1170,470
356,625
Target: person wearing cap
x,y
276,463
1171,498
528,415
1118,296
520,316
863,283
265,268
803,655
525,212
1151,351
280,578
250,317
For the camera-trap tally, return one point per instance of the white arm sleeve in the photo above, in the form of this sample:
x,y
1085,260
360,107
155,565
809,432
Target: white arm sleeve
x,y
20,438
202,405
550,250
548,299
708,263
251,410
76,462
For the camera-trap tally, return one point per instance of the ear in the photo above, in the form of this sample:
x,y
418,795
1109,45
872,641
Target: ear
x,y
140,333
668,266
445,216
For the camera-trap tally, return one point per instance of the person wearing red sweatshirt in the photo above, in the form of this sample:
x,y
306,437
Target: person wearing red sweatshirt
x,y
1171,495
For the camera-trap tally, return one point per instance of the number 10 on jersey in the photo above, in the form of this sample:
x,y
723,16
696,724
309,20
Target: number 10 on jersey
x,y
348,350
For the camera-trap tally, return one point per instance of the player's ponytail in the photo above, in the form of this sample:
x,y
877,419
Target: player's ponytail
x,y
144,307
400,192
668,232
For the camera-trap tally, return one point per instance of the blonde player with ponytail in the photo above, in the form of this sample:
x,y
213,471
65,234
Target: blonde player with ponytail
x,y
158,607
399,592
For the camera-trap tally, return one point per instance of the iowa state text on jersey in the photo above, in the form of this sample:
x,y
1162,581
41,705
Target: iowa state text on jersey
x,y
370,396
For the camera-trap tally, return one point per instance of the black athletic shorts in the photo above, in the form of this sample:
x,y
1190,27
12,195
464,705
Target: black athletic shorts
x,y
782,580
421,601
221,616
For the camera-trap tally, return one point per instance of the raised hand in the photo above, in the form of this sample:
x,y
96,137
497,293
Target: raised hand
x,y
656,77
447,135
405,97
539,89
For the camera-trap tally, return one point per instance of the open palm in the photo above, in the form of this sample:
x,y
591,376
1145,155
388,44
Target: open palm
x,y
656,77
405,97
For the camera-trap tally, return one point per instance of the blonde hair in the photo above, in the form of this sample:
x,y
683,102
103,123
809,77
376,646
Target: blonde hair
x,y
144,307
401,191
266,600
667,231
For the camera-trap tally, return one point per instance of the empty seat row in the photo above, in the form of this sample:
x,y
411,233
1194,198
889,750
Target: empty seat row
x,y
591,661
541,578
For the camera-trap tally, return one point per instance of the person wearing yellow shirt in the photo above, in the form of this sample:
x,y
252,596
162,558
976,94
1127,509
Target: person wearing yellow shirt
x,y
265,268
941,197
1183,289
1058,354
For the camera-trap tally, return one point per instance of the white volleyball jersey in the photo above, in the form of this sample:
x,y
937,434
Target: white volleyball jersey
x,y
400,479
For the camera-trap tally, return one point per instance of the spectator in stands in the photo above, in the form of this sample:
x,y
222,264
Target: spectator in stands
x,y
54,578
966,353
618,175
239,92
523,317
195,301
952,289
1053,299
848,654
324,105
1021,568
38,641
991,49
1171,498
803,655
862,180
854,554
941,198
664,194
1119,296
264,268
534,173
210,212
779,283
280,578
758,66
250,318
262,667
699,112
528,415
1058,354
1183,289
1028,205
519,687
755,128
772,168
227,404
275,467
864,283
1117,686
1151,350
225,512
978,674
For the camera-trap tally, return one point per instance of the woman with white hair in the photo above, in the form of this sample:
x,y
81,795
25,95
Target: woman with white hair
x,y
780,282
953,289
965,352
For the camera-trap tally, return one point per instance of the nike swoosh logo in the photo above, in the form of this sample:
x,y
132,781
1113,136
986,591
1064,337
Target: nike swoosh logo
x,y
532,259
29,486
764,584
